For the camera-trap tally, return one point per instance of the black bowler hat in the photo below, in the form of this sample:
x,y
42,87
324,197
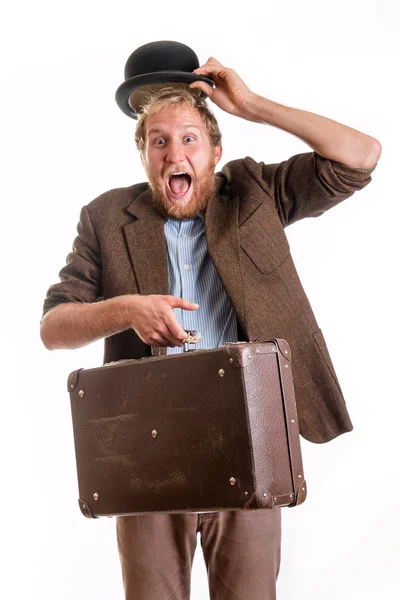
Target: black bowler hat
x,y
153,66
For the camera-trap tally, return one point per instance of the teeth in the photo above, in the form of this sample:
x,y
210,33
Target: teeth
x,y
178,173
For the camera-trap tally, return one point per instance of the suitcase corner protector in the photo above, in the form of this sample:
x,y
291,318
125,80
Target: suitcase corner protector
x,y
259,499
85,510
284,348
301,494
73,379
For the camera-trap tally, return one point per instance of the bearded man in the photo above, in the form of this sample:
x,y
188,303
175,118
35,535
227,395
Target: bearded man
x,y
195,249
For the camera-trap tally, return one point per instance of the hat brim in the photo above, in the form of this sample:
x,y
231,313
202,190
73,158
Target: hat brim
x,y
131,94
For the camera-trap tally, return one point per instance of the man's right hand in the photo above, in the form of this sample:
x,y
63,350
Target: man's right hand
x,y
154,321
75,324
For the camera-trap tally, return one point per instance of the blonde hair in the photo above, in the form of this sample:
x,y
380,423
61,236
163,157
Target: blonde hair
x,y
175,96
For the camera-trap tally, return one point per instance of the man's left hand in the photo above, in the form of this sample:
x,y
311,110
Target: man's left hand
x,y
231,93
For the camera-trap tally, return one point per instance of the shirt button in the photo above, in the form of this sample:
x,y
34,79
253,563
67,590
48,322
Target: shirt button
x,y
184,235
186,266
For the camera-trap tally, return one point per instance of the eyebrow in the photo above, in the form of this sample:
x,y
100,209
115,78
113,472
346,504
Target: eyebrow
x,y
158,130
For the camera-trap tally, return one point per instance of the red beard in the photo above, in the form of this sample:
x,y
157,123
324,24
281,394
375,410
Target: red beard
x,y
203,190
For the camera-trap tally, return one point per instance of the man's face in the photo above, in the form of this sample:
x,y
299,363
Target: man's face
x,y
178,142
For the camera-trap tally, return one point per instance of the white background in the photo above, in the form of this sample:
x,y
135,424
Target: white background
x,y
65,141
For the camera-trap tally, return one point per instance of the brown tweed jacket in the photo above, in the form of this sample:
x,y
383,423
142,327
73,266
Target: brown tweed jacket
x,y
121,249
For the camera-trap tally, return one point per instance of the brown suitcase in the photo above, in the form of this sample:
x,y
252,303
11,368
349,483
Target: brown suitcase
x,y
207,430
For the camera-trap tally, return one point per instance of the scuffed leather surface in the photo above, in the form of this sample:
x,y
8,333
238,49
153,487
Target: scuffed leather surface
x,y
209,429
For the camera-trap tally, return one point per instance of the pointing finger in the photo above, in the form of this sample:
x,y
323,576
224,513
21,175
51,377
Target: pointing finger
x,y
175,302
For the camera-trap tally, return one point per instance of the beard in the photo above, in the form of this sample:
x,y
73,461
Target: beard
x,y
203,190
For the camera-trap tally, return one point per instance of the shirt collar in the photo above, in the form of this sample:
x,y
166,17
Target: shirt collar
x,y
199,216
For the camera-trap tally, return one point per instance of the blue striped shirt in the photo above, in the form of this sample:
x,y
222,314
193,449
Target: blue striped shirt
x,y
193,276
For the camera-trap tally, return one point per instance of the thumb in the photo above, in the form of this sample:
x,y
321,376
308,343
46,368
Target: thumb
x,y
203,86
182,303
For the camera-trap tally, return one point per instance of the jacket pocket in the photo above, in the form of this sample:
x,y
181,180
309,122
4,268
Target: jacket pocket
x,y
263,240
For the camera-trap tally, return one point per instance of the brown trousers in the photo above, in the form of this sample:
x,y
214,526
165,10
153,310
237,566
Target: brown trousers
x,y
241,549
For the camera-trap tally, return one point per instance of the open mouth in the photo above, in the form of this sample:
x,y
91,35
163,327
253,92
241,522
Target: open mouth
x,y
179,183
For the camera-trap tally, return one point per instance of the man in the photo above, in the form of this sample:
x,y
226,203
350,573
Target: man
x,y
197,250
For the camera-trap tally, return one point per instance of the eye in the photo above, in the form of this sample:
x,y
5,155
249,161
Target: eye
x,y
188,137
158,140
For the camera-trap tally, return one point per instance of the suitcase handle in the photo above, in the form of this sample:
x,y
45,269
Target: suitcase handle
x,y
192,339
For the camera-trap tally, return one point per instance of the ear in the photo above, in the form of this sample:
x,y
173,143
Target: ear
x,y
217,154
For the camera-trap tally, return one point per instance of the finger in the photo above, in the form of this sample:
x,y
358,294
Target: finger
x,y
176,336
175,331
203,86
208,71
210,68
210,61
175,302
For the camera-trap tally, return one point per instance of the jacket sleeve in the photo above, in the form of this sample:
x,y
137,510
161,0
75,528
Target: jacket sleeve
x,y
81,277
307,184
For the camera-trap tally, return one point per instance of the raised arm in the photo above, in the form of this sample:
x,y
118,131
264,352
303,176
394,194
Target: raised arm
x,y
328,138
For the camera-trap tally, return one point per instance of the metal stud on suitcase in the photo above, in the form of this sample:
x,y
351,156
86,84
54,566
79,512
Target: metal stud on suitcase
x,y
201,431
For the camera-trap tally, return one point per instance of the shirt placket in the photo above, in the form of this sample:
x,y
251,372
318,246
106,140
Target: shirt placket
x,y
185,258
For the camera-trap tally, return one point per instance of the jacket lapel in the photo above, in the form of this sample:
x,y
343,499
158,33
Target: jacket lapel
x,y
145,240
222,234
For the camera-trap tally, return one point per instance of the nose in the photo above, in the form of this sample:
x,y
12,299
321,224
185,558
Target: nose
x,y
175,153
